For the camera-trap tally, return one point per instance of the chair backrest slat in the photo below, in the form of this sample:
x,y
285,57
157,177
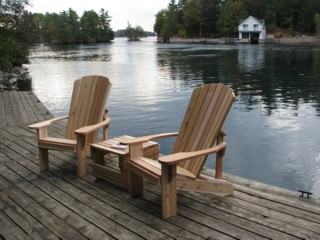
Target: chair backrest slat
x,y
207,110
88,104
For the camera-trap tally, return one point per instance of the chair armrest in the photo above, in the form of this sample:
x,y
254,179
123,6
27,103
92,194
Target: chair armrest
x,y
139,140
46,123
88,129
182,156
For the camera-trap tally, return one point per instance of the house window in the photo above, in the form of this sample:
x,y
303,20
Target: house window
x,y
245,27
245,35
256,27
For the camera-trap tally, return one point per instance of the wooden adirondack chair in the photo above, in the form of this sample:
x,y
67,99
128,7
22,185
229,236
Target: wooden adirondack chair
x,y
86,116
200,130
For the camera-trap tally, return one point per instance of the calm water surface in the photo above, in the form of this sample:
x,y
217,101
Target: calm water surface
x,y
273,127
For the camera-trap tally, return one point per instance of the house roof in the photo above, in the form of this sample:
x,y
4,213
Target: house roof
x,y
261,21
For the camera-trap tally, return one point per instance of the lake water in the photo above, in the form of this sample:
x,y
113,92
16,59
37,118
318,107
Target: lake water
x,y
273,127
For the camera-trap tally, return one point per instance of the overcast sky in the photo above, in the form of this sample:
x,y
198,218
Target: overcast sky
x,y
137,12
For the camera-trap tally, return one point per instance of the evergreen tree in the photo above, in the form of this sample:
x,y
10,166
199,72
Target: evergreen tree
x,y
161,18
170,26
210,14
134,33
306,21
317,21
50,28
90,26
14,35
231,12
73,26
105,32
35,27
192,18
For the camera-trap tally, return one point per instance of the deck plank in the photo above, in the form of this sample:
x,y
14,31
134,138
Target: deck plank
x,y
17,118
40,110
24,96
18,107
7,109
25,117
263,221
30,205
9,229
2,111
24,224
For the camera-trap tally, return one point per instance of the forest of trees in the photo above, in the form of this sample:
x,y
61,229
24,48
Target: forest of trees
x,y
20,28
69,28
220,18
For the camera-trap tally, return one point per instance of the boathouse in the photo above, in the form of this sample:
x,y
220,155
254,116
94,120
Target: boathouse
x,y
252,30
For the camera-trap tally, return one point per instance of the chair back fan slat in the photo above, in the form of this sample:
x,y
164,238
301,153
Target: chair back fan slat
x,y
87,104
208,108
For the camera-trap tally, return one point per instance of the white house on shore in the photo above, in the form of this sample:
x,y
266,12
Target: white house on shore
x,y
252,29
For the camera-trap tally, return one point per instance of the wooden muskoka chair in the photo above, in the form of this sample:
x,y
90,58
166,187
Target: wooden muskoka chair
x,y
87,115
200,130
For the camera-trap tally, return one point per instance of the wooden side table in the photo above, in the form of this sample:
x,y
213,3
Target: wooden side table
x,y
114,168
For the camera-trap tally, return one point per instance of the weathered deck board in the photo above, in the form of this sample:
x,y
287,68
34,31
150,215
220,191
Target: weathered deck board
x,y
21,107
56,204
70,177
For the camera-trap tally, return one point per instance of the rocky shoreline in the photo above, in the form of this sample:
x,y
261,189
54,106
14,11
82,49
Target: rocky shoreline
x,y
10,81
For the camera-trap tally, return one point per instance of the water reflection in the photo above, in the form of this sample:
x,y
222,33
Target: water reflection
x,y
273,77
71,53
277,90
251,58
272,126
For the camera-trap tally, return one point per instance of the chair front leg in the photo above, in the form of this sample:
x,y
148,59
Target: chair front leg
x,y
81,155
43,152
169,190
44,159
135,181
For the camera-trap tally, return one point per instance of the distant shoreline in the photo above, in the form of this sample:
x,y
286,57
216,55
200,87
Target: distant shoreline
x,y
285,40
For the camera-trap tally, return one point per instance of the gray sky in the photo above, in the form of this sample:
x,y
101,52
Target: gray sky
x,y
137,12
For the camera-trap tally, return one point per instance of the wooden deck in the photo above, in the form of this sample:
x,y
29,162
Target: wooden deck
x,y
21,107
56,204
